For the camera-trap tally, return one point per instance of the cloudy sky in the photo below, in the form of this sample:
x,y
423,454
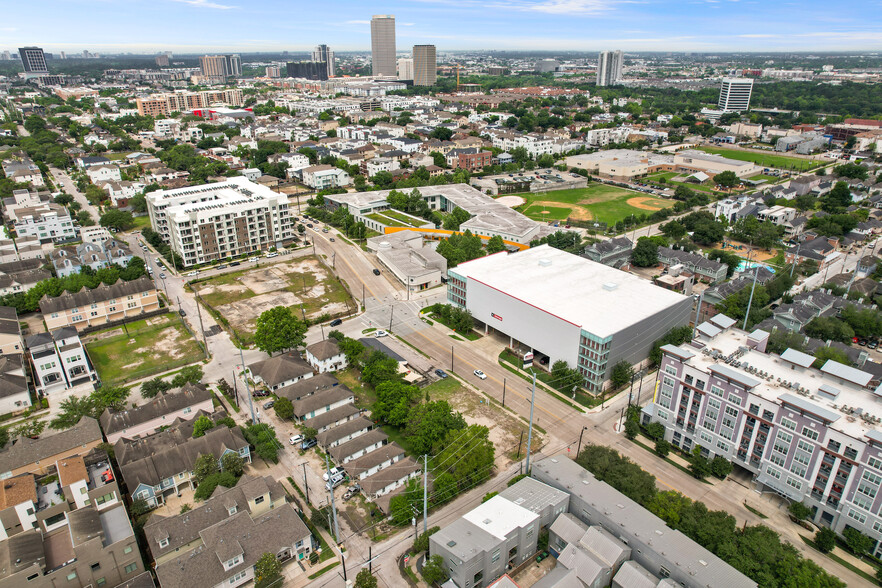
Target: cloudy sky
x,y
589,25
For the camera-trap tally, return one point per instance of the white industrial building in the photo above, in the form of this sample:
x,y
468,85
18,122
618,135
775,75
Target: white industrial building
x,y
565,307
216,221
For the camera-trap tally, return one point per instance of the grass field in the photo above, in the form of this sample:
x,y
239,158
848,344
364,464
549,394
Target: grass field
x,y
608,204
386,220
141,222
764,159
141,349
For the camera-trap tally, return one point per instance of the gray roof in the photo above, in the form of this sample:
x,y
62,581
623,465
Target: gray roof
x,y
568,527
374,343
730,374
374,458
559,577
85,297
113,421
332,417
321,399
344,450
324,349
797,357
847,373
304,388
604,545
633,575
395,472
281,368
586,565
27,451
340,431
809,407
533,495
21,551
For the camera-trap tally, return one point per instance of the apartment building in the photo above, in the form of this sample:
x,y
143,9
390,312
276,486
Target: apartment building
x,y
36,216
325,356
10,332
225,219
810,435
320,177
73,258
101,305
162,105
35,456
472,159
220,541
59,361
183,403
15,395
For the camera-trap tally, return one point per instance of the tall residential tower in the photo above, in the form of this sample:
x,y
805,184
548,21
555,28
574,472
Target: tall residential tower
x,y
325,54
609,67
33,60
425,70
735,94
383,45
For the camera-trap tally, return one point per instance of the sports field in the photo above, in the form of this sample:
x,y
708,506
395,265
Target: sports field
x,y
608,204
764,159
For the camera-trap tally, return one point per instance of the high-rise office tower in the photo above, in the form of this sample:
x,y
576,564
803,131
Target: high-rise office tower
x,y
383,45
33,60
233,64
425,70
405,68
735,94
609,67
326,54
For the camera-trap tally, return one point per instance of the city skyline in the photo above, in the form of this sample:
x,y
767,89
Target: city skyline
x,y
633,25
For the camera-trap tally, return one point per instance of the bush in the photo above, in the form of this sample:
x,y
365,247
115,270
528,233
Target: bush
x,y
422,541
208,485
662,448
655,431
488,496
799,511
825,540
632,427
720,467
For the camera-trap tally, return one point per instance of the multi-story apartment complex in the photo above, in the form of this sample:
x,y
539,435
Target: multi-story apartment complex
x,y
33,60
36,456
473,159
405,68
46,221
225,219
324,54
383,45
157,105
59,361
810,435
101,305
321,177
10,331
218,68
425,67
609,67
735,94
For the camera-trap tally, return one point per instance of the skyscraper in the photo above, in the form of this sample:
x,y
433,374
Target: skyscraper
x,y
33,60
233,64
383,44
214,67
405,68
425,69
735,94
324,53
609,67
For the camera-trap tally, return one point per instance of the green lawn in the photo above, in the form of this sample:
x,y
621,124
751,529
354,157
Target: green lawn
x,y
388,221
401,217
143,349
141,222
542,212
770,159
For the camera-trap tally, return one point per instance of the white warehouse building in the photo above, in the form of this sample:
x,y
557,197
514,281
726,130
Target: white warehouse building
x,y
563,306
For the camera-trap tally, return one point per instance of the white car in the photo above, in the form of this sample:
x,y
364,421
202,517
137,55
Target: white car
x,y
193,273
335,472
295,439
380,334
481,374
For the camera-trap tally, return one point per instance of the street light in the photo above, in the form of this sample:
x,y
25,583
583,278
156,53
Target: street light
x,y
579,446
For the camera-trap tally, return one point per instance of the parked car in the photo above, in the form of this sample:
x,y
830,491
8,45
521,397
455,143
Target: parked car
x,y
309,225
334,482
332,239
295,439
376,272
269,405
380,334
441,373
222,266
332,473
273,254
234,263
336,322
308,443
325,230
481,374
260,393
193,273
162,276
183,312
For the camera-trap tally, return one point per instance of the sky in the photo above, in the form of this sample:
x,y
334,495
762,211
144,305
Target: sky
x,y
194,26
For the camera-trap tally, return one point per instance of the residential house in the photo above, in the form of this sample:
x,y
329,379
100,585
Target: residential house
x,y
321,177
344,432
709,270
121,192
332,418
72,258
35,456
21,275
610,252
104,173
159,465
379,486
101,305
358,447
10,332
45,221
326,356
220,542
14,393
373,461
59,361
86,162
182,403
280,371
309,407
816,249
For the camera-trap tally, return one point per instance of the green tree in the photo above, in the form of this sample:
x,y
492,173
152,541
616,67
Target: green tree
x,y
434,571
799,511
284,408
471,454
428,424
836,199
232,463
824,354
857,542
151,388
621,374
673,229
655,430
699,465
851,170
267,570
117,219
364,579
825,328
201,425
645,253
278,330
720,467
727,179
632,428
825,540
662,447
205,466
191,374
394,401
495,245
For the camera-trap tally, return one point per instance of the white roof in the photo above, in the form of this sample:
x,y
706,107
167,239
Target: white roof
x,y
499,517
797,357
600,299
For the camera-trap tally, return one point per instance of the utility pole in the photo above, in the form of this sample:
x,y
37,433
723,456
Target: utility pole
x,y
750,300
425,494
520,443
391,314
202,326
235,387
333,506
795,258
697,313
247,388
503,392
530,433
305,484
579,446
363,301
343,563
451,358
370,561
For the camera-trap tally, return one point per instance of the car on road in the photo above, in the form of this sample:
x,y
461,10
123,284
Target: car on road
x,y
273,254
441,373
309,225
193,273
234,263
332,473
183,312
376,272
325,230
162,276
336,322
221,266
332,239
481,374
308,443
380,334
269,405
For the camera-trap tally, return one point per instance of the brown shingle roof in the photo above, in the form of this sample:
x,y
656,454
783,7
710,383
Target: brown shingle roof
x,y
85,297
28,451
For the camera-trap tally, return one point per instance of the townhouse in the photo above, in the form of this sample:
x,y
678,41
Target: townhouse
x,y
183,403
325,356
280,371
101,305
72,258
15,396
59,361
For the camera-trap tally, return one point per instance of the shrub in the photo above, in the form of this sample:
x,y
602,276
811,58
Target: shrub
x,y
799,511
825,540
662,448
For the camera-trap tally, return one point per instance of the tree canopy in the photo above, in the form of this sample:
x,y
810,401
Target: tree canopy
x,y
278,329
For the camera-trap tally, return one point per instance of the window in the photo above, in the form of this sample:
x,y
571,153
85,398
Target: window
x,y
875,462
71,576
722,447
106,498
127,550
495,556
705,437
735,399
794,483
788,424
804,445
811,434
163,542
662,415
131,567
33,577
773,472
96,566
258,500
797,469
716,390
776,459
857,515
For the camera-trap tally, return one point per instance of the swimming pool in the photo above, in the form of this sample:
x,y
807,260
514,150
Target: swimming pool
x,y
745,266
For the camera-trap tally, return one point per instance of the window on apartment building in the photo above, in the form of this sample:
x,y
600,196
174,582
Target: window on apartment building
x,y
131,567
773,472
874,462
857,515
788,424
717,391
810,433
71,576
258,500
735,399
96,566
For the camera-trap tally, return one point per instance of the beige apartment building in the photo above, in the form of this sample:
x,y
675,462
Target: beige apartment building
x,y
101,305
165,104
